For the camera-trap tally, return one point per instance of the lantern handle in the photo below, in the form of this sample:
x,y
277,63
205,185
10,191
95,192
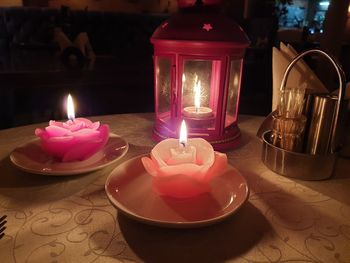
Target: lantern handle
x,y
342,85
199,3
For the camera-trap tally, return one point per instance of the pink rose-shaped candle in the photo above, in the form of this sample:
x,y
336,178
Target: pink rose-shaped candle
x,y
182,168
75,139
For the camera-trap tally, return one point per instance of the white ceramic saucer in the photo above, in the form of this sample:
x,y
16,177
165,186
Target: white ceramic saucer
x,y
129,188
31,158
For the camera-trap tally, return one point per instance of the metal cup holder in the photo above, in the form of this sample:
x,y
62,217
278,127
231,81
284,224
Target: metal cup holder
x,y
306,166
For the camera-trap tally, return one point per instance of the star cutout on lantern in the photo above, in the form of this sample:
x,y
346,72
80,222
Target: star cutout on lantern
x,y
207,27
165,25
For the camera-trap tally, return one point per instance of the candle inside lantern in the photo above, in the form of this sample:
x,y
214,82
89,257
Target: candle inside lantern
x,y
74,140
197,111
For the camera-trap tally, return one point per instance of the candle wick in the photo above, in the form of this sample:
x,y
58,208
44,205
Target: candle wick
x,y
182,147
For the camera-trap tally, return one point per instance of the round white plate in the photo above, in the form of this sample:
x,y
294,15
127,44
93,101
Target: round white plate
x,y
129,188
31,158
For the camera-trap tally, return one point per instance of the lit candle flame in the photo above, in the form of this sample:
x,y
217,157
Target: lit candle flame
x,y
183,134
70,108
236,80
183,82
197,95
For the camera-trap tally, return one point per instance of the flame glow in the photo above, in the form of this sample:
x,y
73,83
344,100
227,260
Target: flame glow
x,y
197,95
183,134
70,108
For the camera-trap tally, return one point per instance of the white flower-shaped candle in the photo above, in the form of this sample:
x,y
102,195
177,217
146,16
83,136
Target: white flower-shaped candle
x,y
184,168
75,139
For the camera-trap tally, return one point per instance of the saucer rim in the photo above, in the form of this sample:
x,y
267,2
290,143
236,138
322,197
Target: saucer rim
x,y
81,170
173,224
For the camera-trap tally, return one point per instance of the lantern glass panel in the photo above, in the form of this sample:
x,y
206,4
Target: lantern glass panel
x,y
199,88
163,87
233,90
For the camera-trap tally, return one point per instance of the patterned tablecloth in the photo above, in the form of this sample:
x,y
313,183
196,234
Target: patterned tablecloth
x,y
69,219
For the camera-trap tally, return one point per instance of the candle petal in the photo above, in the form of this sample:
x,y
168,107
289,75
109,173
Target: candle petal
x,y
179,186
81,151
38,132
95,125
75,126
87,122
56,146
218,166
86,133
150,166
205,151
56,131
55,123
161,152
189,169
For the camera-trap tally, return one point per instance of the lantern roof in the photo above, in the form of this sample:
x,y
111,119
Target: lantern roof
x,y
201,27
191,3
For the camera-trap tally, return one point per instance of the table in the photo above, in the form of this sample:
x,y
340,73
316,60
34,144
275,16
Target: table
x,y
69,219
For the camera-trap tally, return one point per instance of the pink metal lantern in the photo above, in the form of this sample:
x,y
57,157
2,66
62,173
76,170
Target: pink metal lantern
x,y
198,60
191,3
